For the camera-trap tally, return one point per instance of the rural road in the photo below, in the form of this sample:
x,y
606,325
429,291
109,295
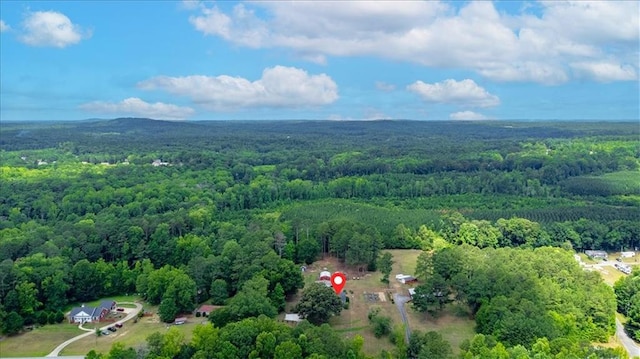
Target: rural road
x,y
629,345
132,314
401,300
632,348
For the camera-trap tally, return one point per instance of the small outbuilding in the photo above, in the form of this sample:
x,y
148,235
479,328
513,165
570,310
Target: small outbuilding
x,y
292,318
405,279
325,275
205,310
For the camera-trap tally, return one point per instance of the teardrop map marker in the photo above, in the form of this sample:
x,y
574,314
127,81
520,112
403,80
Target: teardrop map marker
x,y
338,280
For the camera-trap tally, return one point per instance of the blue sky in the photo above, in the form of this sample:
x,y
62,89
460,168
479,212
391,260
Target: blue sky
x,y
338,60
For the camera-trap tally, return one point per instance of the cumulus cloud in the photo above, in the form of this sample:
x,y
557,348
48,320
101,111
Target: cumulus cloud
x,y
134,106
467,116
605,71
51,28
465,92
537,44
4,27
279,86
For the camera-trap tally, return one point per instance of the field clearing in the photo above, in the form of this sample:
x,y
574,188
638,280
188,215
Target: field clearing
x,y
354,320
38,342
454,328
131,335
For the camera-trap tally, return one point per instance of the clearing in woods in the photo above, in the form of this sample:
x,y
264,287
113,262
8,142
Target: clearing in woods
x,y
364,289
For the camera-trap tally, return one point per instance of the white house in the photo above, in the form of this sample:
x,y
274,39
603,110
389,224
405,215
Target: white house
x,y
84,314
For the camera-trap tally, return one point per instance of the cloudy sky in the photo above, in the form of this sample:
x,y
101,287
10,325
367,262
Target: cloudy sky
x,y
338,60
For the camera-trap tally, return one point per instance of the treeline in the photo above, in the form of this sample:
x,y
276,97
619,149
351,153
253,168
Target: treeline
x,y
534,300
259,337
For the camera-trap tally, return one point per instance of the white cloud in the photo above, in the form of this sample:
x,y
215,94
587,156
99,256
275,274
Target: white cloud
x,y
537,44
134,106
467,116
51,28
4,27
279,86
383,86
605,71
465,92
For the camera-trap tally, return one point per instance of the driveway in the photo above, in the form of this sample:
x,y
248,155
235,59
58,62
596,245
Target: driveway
x,y
401,300
131,315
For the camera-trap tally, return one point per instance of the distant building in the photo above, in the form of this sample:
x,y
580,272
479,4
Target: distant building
x,y
596,254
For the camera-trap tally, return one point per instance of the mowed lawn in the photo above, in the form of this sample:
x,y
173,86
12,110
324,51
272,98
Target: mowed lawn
x,y
38,342
131,335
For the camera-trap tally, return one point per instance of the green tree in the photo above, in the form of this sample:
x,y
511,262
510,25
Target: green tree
x,y
288,350
385,265
435,347
319,303
219,292
277,297
308,250
28,299
168,309
118,351
12,323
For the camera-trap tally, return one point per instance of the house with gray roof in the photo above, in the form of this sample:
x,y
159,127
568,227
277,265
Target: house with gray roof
x,y
85,314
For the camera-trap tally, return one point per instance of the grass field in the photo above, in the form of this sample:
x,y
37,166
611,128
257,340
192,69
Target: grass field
x,y
131,335
38,342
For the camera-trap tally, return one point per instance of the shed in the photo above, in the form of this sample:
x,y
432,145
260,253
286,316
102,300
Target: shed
x,y
404,279
325,275
292,318
206,309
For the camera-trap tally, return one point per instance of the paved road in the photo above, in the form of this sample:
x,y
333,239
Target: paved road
x,y
131,315
401,300
629,345
632,348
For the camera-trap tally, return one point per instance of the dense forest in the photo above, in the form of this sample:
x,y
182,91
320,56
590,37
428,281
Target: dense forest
x,y
225,213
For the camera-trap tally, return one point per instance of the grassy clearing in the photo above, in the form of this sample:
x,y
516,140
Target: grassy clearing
x,y
354,320
131,335
38,342
454,327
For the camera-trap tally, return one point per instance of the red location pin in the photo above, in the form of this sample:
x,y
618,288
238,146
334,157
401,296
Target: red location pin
x,y
338,280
